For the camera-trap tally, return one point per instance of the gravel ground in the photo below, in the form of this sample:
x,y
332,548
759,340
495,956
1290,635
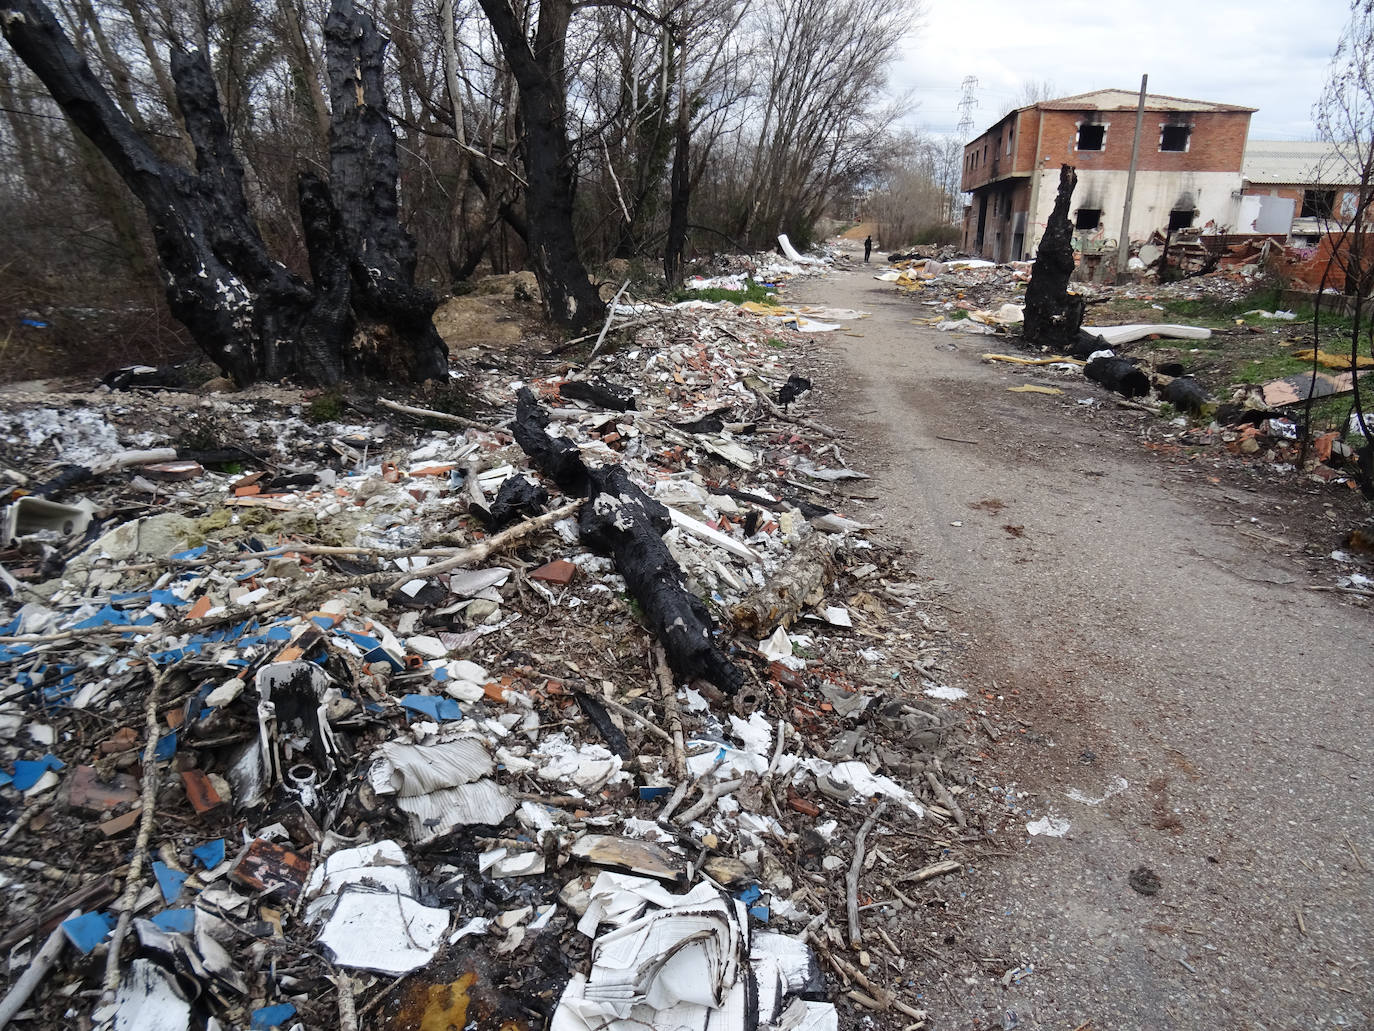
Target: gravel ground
x,y
1137,618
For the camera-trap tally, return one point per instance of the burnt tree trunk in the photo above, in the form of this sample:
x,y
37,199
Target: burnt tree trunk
x,y
246,311
680,182
569,296
397,315
1053,314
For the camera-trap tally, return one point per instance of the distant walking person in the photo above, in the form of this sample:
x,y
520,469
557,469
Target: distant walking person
x,y
868,248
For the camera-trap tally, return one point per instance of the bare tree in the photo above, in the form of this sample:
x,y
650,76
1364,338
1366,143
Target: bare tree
x,y
1344,116
538,65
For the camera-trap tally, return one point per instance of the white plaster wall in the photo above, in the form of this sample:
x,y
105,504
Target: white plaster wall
x,y
1215,196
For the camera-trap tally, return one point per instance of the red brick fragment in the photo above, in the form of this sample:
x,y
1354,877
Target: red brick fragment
x,y
559,572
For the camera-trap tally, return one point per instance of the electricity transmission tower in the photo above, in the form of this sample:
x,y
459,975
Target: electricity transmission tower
x,y
967,102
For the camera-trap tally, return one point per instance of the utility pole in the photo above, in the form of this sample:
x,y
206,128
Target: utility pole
x,y
1123,239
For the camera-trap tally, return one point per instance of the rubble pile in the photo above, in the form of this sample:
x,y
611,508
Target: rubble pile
x,y
381,721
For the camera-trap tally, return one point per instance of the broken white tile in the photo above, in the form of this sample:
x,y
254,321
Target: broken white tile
x,y
1048,825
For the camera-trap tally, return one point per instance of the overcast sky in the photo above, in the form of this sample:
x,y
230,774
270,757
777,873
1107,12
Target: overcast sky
x,y
1264,54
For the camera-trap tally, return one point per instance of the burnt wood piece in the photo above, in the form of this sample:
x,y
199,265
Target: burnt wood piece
x,y
517,497
711,423
598,392
1119,375
1185,394
614,737
794,388
621,521
1053,314
808,509
1084,345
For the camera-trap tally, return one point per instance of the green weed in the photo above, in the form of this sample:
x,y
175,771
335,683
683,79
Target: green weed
x,y
752,292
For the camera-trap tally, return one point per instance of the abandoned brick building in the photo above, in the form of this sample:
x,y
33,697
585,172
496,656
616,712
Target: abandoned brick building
x,y
1188,173
1298,189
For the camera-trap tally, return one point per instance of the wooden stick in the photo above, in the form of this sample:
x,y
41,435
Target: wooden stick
x,y
672,712
348,1013
643,721
429,413
708,799
932,871
480,551
610,312
94,894
376,1000
852,878
776,410
946,799
133,883
568,345
674,800
38,969
877,992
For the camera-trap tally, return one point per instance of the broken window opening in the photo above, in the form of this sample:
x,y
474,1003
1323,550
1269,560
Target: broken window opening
x,y
1174,137
1088,218
1181,218
1317,203
1091,136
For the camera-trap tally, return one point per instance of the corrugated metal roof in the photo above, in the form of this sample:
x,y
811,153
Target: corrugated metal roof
x,y
1126,100
1286,161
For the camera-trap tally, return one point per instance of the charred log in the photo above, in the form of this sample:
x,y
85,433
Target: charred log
x,y
599,393
517,497
1053,314
1119,375
1185,394
556,457
710,423
794,388
620,520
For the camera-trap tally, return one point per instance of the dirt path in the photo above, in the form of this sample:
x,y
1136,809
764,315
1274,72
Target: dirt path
x,y
1112,605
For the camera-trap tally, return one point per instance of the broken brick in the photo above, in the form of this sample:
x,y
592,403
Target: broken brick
x,y
200,608
88,791
120,824
558,572
802,805
121,740
201,792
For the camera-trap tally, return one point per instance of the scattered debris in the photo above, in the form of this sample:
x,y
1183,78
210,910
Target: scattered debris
x,y
316,706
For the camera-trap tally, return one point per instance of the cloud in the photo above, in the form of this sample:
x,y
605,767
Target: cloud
x,y
1266,55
